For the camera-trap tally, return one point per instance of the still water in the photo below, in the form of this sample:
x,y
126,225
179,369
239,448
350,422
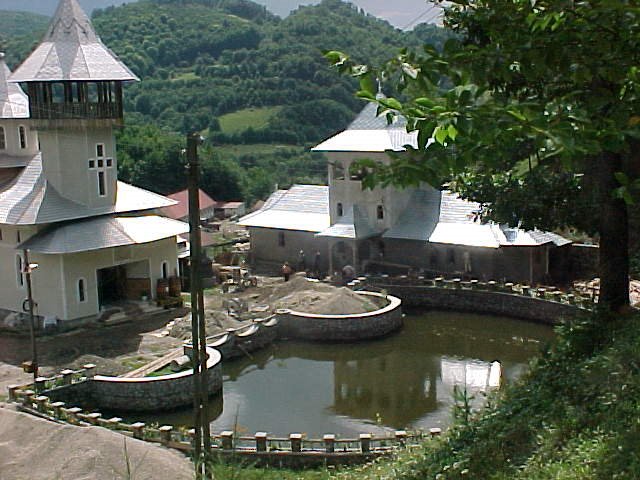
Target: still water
x,y
403,381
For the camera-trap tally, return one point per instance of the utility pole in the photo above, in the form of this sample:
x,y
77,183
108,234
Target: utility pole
x,y
27,269
202,438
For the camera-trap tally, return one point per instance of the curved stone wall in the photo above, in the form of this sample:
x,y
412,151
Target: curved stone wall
x,y
482,301
342,328
140,394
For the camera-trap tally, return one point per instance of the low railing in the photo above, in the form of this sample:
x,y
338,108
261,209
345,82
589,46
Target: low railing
x,y
551,294
296,446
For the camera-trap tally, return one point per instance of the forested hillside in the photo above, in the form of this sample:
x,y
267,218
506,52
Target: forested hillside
x,y
242,76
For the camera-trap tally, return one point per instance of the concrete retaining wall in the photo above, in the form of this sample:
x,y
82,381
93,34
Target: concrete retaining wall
x,y
479,301
342,328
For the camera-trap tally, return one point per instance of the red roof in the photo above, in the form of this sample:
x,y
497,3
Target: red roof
x,y
181,209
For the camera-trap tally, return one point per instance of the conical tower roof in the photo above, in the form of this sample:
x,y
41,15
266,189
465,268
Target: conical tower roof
x,y
13,102
71,51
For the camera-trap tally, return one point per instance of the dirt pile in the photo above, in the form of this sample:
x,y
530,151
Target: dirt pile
x,y
38,449
310,296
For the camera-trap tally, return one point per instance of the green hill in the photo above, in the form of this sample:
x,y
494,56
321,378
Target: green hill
x,y
206,65
19,31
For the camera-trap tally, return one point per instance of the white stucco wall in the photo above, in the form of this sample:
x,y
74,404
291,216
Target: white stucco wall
x,y
349,192
12,137
66,155
55,282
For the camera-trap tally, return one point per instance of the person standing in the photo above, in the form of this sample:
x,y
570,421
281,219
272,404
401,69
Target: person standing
x,y
286,271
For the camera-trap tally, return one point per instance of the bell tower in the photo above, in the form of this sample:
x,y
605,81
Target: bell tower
x,y
74,83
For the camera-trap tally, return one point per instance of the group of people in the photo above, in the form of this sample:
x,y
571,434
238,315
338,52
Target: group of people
x,y
287,270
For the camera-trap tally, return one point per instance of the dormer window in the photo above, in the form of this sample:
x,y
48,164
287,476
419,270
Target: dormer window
x,y
3,139
22,134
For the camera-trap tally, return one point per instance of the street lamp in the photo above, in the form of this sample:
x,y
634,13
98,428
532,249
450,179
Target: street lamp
x,y
27,270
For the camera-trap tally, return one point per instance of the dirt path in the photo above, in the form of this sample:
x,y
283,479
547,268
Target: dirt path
x,y
36,449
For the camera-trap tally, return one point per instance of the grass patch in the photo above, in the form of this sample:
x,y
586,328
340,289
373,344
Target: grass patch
x,y
257,148
185,76
241,120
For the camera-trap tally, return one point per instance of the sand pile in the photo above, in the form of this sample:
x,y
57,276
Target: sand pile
x,y
104,366
216,321
35,449
307,296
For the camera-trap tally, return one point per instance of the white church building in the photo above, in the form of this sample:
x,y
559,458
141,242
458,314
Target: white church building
x,y
96,240
387,229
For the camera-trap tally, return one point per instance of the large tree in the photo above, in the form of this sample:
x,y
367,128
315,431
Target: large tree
x,y
532,109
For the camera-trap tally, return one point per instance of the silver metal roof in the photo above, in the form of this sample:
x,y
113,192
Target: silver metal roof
x,y
354,224
71,50
370,133
302,207
29,199
13,101
104,232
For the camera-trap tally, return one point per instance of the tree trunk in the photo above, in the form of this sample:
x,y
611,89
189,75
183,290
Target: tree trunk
x,y
614,236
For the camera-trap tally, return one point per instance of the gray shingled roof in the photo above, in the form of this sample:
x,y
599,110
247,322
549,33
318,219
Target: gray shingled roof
x,y
371,133
13,101
30,200
71,50
302,207
104,232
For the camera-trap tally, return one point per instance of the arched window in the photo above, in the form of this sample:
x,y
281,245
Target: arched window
x,y
380,212
339,209
19,273
165,270
81,290
22,134
3,139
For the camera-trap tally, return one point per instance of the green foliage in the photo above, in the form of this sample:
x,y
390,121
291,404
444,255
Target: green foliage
x,y
19,33
241,120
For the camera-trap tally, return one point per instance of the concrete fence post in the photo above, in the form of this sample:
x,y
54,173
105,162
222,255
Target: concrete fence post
x,y
27,398
296,442
114,422
57,409
67,376
508,287
401,437
227,440
165,434
39,384
435,432
261,441
94,418
90,370
138,430
457,283
329,443
72,415
41,403
492,285
13,392
365,442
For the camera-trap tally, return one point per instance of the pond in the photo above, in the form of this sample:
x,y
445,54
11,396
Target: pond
x,y
403,381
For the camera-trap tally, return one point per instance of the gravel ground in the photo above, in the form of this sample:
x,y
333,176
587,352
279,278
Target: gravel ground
x,y
36,449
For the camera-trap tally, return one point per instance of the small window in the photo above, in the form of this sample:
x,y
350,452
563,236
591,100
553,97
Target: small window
x,y
3,139
81,290
22,133
165,270
92,164
19,273
100,163
380,212
281,241
102,188
18,237
0,234
109,162
339,209
100,150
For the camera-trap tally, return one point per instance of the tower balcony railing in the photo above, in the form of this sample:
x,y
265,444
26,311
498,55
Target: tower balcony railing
x,y
87,110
